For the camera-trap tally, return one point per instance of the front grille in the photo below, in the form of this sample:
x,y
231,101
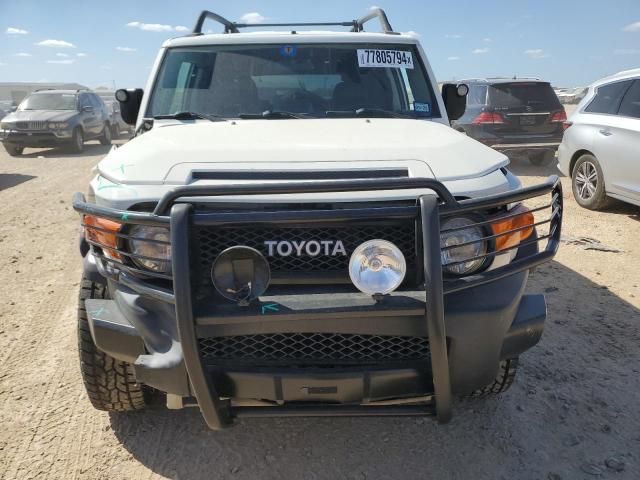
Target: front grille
x,y
313,348
210,242
35,125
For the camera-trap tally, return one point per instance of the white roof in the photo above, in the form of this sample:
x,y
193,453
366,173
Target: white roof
x,y
264,37
618,76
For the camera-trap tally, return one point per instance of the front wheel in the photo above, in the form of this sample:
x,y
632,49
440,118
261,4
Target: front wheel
x,y
587,182
13,150
115,132
77,141
110,383
503,381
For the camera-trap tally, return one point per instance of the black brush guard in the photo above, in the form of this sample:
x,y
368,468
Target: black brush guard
x,y
176,211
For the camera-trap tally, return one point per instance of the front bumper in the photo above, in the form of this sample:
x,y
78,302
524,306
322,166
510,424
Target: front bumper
x,y
469,323
36,139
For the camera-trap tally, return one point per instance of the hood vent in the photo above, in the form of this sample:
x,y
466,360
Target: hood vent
x,y
300,174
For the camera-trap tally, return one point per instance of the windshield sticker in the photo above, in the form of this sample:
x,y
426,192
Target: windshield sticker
x,y
288,51
370,58
422,108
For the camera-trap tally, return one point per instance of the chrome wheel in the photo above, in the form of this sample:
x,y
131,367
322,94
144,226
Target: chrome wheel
x,y
586,180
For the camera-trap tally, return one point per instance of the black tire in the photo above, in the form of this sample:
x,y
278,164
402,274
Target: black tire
x,y
13,150
77,141
587,183
115,132
105,138
504,380
541,158
110,384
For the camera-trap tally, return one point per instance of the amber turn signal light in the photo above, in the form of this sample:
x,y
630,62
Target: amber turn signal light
x,y
510,232
104,233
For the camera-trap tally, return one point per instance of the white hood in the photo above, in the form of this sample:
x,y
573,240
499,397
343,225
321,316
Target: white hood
x,y
172,151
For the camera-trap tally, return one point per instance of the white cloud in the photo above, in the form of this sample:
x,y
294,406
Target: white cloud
x,y
453,59
55,44
151,27
62,55
453,36
81,54
536,53
487,40
182,28
16,31
125,49
62,62
632,27
252,17
626,51
23,54
480,51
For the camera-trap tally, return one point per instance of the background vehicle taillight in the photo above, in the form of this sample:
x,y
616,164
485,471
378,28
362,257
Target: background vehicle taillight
x,y
488,117
559,117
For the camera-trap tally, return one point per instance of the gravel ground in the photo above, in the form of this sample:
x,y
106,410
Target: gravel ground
x,y
573,413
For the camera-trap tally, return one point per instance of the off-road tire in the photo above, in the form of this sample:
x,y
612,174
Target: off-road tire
x,y
110,384
599,199
542,158
504,380
13,150
105,138
77,141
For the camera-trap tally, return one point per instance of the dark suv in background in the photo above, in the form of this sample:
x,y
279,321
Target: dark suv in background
x,y
50,118
514,115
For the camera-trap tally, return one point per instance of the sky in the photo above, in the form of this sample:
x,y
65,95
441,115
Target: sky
x,y
114,43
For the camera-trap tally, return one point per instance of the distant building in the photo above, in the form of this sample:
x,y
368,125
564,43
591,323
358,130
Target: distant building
x,y
14,92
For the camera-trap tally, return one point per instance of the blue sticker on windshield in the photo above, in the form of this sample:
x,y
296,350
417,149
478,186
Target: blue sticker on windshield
x,y
288,51
421,108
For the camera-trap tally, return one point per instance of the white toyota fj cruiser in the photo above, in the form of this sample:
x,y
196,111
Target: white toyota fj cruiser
x,y
296,230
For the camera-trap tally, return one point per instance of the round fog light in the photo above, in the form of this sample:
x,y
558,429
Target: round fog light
x,y
377,267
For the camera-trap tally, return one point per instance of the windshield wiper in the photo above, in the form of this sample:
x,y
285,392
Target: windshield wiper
x,y
366,112
190,116
269,115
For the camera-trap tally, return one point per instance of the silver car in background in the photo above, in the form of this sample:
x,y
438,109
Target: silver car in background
x,y
601,146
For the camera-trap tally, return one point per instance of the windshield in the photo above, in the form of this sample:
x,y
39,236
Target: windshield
x,y
308,80
49,101
538,96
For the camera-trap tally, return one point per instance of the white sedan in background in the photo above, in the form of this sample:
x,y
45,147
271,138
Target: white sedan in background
x,y
601,146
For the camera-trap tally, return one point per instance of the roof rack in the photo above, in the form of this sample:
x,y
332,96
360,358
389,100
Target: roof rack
x,y
233,27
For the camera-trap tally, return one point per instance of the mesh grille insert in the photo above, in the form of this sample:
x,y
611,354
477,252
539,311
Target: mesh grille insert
x,y
314,347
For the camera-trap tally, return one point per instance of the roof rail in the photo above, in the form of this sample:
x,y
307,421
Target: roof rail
x,y
374,13
233,27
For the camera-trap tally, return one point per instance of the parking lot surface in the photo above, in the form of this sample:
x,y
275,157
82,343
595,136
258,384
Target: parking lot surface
x,y
573,412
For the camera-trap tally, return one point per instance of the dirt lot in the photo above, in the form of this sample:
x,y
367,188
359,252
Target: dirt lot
x,y
574,412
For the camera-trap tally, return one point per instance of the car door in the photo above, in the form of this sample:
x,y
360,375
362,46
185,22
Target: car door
x,y
617,145
90,118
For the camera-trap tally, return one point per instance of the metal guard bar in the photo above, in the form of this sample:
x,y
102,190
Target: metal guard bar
x,y
216,412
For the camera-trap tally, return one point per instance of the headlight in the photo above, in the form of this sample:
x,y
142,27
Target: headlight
x,y
152,243
5,126
471,245
377,267
58,125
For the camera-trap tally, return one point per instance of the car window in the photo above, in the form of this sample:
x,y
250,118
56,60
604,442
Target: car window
x,y
630,106
84,101
477,95
49,101
530,96
95,101
608,98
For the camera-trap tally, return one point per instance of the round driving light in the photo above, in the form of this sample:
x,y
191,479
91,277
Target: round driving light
x,y
460,260
241,274
122,95
152,248
377,267
463,90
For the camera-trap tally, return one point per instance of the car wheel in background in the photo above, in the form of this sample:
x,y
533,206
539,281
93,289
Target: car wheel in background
x,y
77,141
105,138
540,158
13,150
115,132
587,182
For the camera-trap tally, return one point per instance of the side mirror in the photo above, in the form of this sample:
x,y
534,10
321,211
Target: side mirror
x,y
87,108
129,101
455,99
